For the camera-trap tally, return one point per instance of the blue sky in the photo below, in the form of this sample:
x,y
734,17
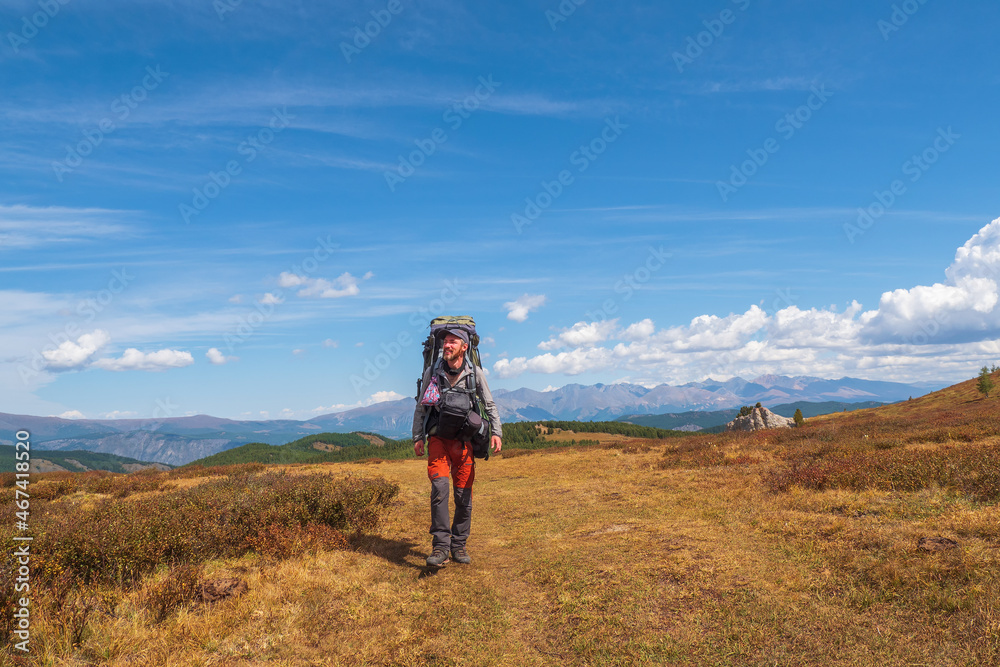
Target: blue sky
x,y
251,209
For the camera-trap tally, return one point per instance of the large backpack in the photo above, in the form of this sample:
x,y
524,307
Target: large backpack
x,y
432,356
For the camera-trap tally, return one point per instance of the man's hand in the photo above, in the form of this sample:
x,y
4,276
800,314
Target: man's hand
x,y
495,441
418,447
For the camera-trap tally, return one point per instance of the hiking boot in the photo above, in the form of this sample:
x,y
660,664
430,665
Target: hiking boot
x,y
437,558
460,555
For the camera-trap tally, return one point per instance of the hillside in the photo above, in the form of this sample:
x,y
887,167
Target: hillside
x,y
319,448
75,461
958,412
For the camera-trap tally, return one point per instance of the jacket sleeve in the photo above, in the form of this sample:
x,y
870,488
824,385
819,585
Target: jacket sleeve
x,y
420,410
491,407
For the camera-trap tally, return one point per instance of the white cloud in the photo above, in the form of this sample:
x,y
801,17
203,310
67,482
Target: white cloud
x,y
134,360
383,396
216,357
236,298
518,310
70,355
377,397
573,362
269,299
329,342
72,414
639,330
582,334
959,310
343,285
298,352
954,323
119,414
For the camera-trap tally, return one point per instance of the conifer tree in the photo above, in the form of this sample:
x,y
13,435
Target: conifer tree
x,y
799,419
985,384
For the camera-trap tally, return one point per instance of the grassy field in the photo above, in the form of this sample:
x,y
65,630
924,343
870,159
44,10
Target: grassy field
x,y
793,547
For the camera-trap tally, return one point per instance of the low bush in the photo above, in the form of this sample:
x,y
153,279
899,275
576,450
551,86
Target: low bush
x,y
120,539
970,470
122,486
198,470
177,588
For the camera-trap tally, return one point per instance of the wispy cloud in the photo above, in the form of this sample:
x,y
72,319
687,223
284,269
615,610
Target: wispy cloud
x,y
757,85
24,226
343,285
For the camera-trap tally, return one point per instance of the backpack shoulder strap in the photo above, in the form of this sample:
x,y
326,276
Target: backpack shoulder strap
x,y
472,383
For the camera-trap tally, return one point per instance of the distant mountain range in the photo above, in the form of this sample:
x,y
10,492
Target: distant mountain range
x,y
179,440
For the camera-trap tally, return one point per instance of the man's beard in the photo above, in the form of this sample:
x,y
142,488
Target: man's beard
x,y
457,354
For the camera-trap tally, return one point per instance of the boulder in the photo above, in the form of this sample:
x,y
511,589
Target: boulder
x,y
760,418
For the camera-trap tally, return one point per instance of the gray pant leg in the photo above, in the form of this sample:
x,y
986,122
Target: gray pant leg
x,y
439,514
463,517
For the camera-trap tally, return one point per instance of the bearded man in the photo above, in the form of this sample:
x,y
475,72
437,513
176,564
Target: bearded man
x,y
451,456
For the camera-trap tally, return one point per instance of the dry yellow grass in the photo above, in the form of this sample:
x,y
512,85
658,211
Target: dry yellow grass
x,y
596,556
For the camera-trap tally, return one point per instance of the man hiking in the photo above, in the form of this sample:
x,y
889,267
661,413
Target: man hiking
x,y
451,455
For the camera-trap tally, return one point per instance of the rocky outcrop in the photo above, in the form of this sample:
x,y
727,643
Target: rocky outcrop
x,y
760,418
174,450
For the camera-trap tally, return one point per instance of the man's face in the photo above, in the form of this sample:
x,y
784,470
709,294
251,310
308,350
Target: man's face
x,y
453,347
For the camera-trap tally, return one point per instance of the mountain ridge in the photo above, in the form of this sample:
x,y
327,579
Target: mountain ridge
x,y
179,440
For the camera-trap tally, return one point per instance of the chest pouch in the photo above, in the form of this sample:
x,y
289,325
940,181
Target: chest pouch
x,y
453,409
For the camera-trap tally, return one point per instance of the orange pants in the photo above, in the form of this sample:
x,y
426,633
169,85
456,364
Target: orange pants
x,y
450,458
